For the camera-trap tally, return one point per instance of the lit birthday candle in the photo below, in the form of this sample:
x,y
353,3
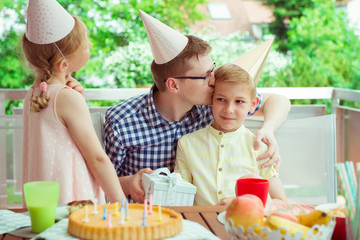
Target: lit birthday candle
x,y
144,217
95,211
145,207
126,210
159,208
109,221
86,218
116,212
104,216
150,204
122,202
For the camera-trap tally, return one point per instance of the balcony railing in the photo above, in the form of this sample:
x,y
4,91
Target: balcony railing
x,y
347,123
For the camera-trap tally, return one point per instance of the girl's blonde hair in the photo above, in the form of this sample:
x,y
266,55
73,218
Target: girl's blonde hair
x,y
233,73
43,57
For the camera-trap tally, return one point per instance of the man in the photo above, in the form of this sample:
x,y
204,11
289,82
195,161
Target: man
x,y
141,133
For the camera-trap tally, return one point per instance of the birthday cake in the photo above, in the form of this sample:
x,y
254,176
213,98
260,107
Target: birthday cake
x,y
131,222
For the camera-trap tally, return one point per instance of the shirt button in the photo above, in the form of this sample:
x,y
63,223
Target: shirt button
x,y
220,133
220,169
220,192
222,145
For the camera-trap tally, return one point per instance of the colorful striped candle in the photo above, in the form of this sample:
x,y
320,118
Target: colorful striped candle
x,y
150,204
116,210
109,224
126,210
145,207
159,209
86,218
122,214
104,216
95,211
144,218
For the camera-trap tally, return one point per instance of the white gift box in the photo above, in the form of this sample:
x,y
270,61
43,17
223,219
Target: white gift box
x,y
170,189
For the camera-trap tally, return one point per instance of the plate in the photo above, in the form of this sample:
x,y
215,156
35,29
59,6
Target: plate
x,y
61,212
23,232
328,206
221,217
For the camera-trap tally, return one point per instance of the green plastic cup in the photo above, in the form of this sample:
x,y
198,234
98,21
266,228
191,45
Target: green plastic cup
x,y
41,199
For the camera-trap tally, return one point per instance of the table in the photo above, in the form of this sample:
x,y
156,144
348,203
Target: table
x,y
205,215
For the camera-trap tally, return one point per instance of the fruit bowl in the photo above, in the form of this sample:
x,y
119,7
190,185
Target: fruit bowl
x,y
276,226
256,232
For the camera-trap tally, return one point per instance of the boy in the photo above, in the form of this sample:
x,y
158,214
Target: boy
x,y
141,133
214,157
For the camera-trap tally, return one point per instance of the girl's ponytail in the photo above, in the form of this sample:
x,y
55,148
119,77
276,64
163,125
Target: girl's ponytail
x,y
40,102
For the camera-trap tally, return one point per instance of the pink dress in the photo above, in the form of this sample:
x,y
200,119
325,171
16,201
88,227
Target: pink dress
x,y
50,154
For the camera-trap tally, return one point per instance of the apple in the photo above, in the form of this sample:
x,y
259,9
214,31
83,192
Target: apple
x,y
246,210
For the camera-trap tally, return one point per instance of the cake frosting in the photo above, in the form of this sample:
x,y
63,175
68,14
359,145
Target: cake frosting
x,y
84,224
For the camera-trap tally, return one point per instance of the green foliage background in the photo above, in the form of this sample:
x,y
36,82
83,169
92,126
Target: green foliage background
x,y
317,48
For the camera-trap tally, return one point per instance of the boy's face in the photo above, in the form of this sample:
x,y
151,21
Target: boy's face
x,y
198,91
231,104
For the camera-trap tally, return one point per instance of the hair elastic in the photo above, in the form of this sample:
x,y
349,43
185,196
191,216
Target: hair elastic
x,y
43,86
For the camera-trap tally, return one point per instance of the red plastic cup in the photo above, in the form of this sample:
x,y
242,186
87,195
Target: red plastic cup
x,y
255,186
340,229
342,223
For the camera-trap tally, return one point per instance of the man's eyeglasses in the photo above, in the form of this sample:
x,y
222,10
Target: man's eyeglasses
x,y
198,78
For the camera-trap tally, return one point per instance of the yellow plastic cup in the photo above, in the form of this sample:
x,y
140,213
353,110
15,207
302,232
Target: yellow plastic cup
x,y
41,199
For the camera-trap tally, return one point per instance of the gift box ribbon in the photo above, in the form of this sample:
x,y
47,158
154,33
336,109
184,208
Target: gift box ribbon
x,y
174,179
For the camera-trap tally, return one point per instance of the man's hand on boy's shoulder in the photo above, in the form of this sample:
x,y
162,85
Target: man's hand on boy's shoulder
x,y
135,188
74,84
272,152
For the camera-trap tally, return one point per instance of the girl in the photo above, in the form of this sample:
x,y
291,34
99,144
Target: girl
x,y
60,143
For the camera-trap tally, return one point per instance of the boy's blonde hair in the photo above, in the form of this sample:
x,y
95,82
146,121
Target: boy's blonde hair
x,y
43,57
179,64
233,73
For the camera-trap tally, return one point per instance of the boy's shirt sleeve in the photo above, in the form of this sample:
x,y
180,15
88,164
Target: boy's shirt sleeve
x,y
268,172
181,163
258,95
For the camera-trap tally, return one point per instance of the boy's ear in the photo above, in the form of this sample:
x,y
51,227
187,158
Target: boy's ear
x,y
254,103
63,65
172,85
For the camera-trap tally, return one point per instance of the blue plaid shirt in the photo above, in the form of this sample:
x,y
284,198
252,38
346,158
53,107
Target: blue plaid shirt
x,y
136,136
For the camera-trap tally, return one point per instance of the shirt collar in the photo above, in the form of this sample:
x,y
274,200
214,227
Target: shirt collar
x,y
152,115
219,134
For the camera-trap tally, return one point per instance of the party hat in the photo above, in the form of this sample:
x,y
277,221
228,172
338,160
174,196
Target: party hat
x,y
47,21
253,62
165,42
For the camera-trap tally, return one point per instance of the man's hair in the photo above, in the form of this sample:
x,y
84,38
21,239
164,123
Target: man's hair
x,y
179,64
233,73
